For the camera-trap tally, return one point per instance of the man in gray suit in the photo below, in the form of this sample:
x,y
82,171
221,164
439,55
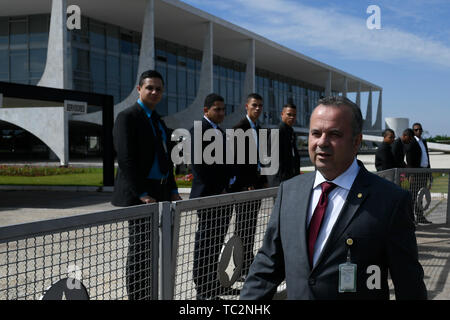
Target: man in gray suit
x,y
336,232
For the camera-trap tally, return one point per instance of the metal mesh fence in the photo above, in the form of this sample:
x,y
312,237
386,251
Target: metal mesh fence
x,y
215,241
105,255
429,191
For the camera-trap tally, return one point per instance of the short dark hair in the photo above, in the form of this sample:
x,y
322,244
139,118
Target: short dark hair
x,y
290,105
385,131
211,98
416,124
408,132
150,74
339,101
254,96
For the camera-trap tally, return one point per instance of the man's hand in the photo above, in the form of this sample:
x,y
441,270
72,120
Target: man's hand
x,y
251,188
147,199
175,197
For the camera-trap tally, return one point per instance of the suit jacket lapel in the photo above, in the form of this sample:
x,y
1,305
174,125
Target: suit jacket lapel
x,y
356,196
145,121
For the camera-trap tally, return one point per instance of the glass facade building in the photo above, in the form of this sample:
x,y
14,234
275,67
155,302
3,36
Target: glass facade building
x,y
23,48
105,60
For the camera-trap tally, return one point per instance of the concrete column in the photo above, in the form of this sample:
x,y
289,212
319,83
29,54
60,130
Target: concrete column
x,y
146,57
185,118
250,77
377,124
146,62
345,89
397,124
368,120
249,87
57,71
328,85
358,95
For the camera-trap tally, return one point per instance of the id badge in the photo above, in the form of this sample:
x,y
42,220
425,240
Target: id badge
x,y
347,277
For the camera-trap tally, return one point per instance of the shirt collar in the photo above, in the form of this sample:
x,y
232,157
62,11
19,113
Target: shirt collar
x,y
345,180
210,122
252,124
146,109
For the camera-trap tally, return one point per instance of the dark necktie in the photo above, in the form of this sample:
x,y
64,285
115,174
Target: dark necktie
x,y
160,151
317,217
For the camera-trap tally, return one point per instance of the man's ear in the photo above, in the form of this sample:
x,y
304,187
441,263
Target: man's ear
x,y
205,109
358,141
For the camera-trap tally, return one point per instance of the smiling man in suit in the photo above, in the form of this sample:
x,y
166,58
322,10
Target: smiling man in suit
x,y
145,174
330,229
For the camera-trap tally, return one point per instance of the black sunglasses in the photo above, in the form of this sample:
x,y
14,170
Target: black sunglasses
x,y
418,129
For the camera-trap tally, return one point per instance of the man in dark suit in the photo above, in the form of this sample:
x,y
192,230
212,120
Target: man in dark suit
x,y
248,177
384,158
145,173
399,148
417,157
289,158
209,179
336,233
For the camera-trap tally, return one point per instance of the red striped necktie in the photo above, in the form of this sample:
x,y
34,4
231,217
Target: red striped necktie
x,y
317,217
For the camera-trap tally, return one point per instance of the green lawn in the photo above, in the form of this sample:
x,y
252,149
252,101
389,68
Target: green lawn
x,y
94,177
78,179
439,184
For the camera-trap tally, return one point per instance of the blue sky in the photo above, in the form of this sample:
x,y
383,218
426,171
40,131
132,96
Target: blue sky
x,y
409,57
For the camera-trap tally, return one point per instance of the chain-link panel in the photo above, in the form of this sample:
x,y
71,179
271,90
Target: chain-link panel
x,y
216,240
429,192
94,256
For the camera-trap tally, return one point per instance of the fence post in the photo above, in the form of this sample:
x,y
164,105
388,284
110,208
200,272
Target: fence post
x,y
155,252
397,177
166,281
448,196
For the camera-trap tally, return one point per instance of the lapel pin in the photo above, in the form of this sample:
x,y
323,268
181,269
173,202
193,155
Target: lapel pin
x,y
359,195
349,241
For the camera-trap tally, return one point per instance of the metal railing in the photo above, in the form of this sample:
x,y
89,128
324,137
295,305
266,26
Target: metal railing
x,y
429,190
141,252
103,255
193,249
214,242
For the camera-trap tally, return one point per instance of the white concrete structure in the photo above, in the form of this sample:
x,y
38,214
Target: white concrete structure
x,y
397,124
48,124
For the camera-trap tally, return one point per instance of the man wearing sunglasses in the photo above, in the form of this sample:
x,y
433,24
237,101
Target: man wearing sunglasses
x,y
417,157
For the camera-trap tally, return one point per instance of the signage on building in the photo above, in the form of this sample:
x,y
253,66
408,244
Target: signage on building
x,y
76,107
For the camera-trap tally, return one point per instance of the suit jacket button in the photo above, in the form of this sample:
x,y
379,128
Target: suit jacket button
x,y
312,281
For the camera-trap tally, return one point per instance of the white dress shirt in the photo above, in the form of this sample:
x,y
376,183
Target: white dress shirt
x,y
424,158
215,126
336,200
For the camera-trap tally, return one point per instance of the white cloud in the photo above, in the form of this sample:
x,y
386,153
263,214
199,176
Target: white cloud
x,y
297,26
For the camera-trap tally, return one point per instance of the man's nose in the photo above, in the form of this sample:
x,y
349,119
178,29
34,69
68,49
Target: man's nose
x,y
323,140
